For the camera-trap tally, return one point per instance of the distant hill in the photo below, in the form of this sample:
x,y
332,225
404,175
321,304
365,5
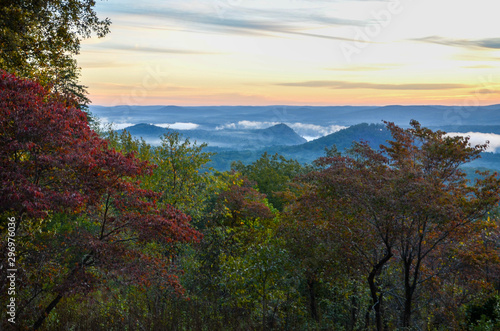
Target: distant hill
x,y
245,132
229,139
280,134
210,117
374,134
145,130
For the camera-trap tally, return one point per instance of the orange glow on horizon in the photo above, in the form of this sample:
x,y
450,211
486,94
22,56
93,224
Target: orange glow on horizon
x,y
340,53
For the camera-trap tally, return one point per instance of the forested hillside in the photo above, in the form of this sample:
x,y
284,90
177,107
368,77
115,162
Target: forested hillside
x,y
109,233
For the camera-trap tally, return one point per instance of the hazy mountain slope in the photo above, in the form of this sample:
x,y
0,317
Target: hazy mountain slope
x,y
234,127
375,134
276,135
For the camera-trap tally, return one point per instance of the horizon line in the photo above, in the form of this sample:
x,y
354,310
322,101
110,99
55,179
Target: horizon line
x,y
315,106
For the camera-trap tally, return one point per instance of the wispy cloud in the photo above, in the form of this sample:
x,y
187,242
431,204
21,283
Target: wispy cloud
x,y
313,131
306,130
480,66
105,123
363,85
104,64
486,91
142,49
129,88
178,125
246,125
372,67
490,43
261,22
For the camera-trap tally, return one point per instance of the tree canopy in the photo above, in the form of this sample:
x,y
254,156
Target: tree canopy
x,y
39,39
82,218
406,208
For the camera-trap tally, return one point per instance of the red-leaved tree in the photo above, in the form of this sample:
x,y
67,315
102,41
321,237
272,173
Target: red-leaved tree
x,y
81,217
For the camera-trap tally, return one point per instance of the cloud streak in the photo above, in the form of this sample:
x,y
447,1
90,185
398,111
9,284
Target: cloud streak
x,y
177,125
489,43
373,67
306,130
160,50
265,23
363,85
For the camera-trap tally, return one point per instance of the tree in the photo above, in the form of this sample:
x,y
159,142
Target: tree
x,y
125,143
272,175
240,203
40,38
181,174
82,218
261,278
309,238
408,202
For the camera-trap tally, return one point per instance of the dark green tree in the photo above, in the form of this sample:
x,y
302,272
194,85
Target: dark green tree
x,y
182,176
39,39
272,173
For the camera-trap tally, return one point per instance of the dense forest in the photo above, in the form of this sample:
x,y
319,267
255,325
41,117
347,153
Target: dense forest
x,y
110,233
101,231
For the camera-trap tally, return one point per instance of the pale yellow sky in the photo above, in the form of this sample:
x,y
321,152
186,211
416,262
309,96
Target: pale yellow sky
x,y
296,52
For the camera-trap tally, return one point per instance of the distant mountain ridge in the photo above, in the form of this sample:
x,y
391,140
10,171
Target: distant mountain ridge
x,y
374,134
245,132
209,117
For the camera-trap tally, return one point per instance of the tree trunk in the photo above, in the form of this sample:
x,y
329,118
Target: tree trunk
x,y
409,290
59,296
410,284
377,298
312,299
407,313
354,312
264,304
46,312
377,302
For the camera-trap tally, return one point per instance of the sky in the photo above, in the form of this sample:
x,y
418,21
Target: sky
x,y
295,52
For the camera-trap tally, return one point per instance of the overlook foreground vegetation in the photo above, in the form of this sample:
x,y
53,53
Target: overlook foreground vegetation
x,y
113,234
